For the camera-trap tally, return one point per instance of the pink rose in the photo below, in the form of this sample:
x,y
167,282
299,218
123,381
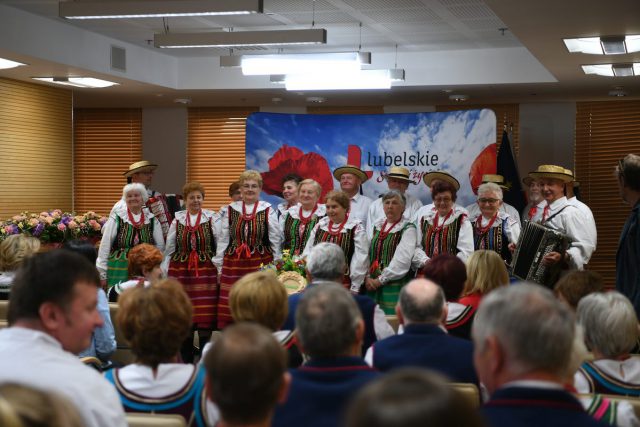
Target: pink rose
x,y
49,220
72,225
61,227
33,222
44,214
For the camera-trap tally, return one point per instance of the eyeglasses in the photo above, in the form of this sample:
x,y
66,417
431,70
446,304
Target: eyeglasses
x,y
489,201
442,200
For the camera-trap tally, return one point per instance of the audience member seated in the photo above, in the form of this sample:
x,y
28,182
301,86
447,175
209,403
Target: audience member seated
x,y
450,273
486,271
155,321
144,269
422,311
246,375
13,250
260,297
326,265
52,313
410,398
523,339
22,406
610,332
571,288
330,331
103,340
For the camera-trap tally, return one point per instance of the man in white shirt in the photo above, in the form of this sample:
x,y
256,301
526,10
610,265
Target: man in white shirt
x,y
351,179
474,210
590,222
397,179
52,314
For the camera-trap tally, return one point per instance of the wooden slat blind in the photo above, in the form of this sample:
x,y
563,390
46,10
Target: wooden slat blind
x,y
506,114
216,150
106,142
605,132
35,147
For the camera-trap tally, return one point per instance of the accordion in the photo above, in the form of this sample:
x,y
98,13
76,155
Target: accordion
x,y
534,243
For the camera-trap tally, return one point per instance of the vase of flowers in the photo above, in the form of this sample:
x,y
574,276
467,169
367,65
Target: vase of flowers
x,y
291,271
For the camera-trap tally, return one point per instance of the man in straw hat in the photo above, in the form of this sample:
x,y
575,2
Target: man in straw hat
x,y
397,179
160,205
351,179
474,209
564,217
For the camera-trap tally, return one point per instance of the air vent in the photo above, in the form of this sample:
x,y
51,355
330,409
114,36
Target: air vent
x,y
118,59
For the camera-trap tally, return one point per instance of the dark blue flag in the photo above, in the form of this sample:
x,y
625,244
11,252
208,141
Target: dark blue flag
x,y
509,170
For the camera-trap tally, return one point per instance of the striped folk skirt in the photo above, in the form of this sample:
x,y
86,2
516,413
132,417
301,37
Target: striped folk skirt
x,y
117,267
202,290
387,296
233,268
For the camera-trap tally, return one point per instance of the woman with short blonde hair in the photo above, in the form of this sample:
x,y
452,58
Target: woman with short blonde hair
x,y
486,271
298,222
259,297
13,250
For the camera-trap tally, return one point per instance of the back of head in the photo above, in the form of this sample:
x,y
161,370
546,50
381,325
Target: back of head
x,y
448,271
411,397
259,297
327,320
326,262
629,168
143,257
48,277
15,248
422,301
22,406
155,320
578,284
609,322
245,372
486,271
82,247
535,330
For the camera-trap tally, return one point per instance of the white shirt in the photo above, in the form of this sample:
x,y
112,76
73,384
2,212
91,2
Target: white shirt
x,y
572,223
376,211
181,217
360,207
539,206
401,261
294,211
275,234
474,211
36,359
512,229
590,222
359,264
110,231
465,237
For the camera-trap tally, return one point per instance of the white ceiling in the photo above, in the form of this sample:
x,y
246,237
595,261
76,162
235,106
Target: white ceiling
x,y
444,45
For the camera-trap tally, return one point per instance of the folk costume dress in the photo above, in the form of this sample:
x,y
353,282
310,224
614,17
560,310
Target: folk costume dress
x,y
122,231
297,225
437,234
163,207
390,253
495,233
351,236
191,246
250,236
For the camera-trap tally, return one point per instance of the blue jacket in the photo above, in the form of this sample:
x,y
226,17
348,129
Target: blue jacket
x,y
321,391
427,346
628,259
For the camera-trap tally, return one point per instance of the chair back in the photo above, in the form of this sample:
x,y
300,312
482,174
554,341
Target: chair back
x,y
155,420
469,391
394,322
123,354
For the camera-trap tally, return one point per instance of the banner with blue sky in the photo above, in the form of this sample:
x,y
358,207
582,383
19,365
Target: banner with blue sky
x,y
462,143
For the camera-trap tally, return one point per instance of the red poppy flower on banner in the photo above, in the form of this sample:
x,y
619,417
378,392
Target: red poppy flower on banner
x,y
483,164
293,160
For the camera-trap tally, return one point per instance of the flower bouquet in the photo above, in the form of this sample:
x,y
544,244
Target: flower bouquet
x,y
53,227
290,271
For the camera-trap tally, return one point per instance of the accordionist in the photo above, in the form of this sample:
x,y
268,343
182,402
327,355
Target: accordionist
x,y
564,217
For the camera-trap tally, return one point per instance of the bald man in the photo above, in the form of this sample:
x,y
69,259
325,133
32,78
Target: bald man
x,y
422,310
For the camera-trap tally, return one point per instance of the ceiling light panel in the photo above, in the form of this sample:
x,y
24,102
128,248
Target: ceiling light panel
x,y
82,82
606,45
7,63
241,38
613,70
153,9
363,79
295,63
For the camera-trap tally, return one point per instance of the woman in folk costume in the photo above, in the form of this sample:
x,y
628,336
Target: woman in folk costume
x,y
290,186
442,227
393,243
493,229
127,226
250,236
300,219
340,228
191,245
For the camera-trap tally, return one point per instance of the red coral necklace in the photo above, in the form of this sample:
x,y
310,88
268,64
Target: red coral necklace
x,y
253,214
136,224
340,227
305,220
435,223
483,230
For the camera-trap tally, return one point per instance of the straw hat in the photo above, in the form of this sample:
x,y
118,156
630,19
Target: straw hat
x,y
141,166
551,172
496,179
400,173
442,176
352,170
575,183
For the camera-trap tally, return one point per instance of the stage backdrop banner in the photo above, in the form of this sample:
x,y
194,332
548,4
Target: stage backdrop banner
x,y
462,143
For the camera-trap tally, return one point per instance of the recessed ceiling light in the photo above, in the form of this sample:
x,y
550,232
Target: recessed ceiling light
x,y
458,97
613,70
184,101
606,45
81,82
316,99
618,92
7,63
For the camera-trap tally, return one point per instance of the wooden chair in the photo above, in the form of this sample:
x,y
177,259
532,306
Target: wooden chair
x,y
4,310
155,420
469,391
123,354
